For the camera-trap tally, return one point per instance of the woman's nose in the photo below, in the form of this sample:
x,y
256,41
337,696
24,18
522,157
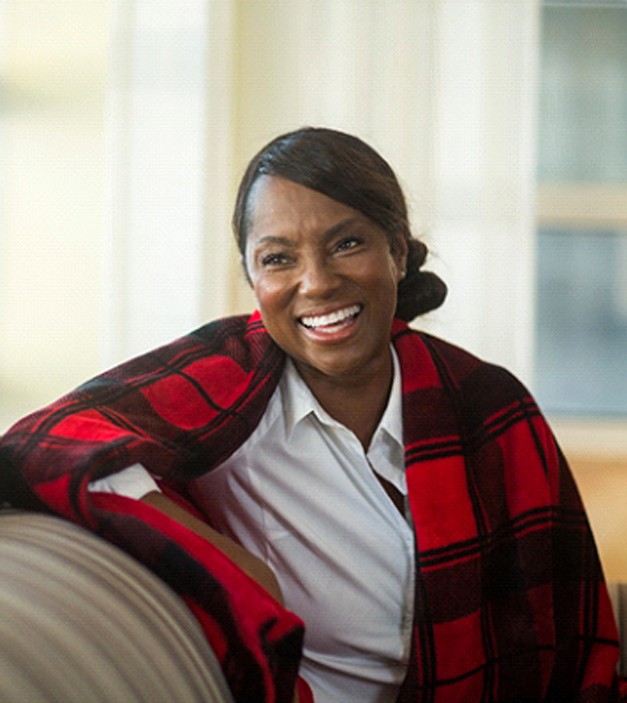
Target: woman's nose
x,y
318,279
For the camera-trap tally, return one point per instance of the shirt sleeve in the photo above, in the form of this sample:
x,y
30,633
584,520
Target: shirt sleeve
x,y
132,482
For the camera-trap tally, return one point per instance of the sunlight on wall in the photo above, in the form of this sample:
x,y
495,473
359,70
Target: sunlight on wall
x,y
52,70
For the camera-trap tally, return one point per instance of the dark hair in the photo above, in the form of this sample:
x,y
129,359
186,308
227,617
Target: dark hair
x,y
349,171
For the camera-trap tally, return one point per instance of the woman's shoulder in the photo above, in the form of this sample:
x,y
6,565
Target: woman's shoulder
x,y
236,341
466,372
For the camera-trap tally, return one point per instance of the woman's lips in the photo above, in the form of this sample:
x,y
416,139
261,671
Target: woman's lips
x,y
331,322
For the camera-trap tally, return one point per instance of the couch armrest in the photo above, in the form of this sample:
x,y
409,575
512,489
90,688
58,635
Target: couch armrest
x,y
81,621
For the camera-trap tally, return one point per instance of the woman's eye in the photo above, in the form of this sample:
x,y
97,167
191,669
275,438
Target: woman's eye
x,y
275,259
348,243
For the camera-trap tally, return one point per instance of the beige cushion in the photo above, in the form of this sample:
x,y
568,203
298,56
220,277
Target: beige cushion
x,y
80,621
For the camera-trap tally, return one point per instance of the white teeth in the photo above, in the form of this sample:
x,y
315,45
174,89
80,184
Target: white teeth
x,y
333,318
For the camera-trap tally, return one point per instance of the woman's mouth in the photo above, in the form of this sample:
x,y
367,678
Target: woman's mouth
x,y
331,322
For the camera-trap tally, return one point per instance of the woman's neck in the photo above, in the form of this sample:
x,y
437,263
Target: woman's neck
x,y
356,402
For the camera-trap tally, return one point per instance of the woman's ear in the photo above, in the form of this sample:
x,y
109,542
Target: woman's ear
x,y
400,252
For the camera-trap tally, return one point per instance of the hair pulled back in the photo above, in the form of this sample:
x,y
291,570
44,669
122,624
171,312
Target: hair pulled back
x,y
346,169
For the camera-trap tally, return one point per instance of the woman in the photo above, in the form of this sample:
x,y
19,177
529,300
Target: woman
x,y
403,498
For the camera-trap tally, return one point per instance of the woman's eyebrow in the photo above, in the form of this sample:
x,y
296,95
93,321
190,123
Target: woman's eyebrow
x,y
278,240
275,240
339,226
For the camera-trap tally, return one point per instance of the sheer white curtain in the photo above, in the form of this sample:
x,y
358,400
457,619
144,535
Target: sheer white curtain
x,y
484,177
445,89
52,72
169,132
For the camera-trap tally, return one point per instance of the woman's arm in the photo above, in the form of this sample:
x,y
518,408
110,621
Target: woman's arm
x,y
172,409
249,563
136,482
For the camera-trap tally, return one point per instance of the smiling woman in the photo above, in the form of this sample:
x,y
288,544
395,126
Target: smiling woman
x,y
322,227
350,173
325,279
353,508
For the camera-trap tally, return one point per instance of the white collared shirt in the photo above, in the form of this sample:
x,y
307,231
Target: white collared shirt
x,y
301,494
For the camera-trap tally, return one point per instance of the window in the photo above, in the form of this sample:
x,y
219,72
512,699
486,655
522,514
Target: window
x,y
581,303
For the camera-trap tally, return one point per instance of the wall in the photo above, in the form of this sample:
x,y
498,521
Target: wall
x,y
603,486
52,70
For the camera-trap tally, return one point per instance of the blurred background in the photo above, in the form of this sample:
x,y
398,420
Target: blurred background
x,y
125,125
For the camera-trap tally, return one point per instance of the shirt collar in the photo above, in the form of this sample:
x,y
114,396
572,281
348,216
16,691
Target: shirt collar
x,y
392,419
299,402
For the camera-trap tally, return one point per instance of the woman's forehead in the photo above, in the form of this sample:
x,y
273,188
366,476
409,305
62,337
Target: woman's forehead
x,y
277,205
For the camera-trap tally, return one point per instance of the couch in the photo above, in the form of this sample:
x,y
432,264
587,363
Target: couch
x,y
82,622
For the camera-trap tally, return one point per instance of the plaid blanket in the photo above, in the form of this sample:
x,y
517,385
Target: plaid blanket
x,y
510,603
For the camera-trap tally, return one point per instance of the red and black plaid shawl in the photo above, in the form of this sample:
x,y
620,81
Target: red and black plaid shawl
x,y
510,603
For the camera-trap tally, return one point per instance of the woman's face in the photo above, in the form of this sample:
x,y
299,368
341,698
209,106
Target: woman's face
x,y
324,277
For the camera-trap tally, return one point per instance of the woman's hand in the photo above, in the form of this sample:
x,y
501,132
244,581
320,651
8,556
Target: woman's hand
x,y
249,563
